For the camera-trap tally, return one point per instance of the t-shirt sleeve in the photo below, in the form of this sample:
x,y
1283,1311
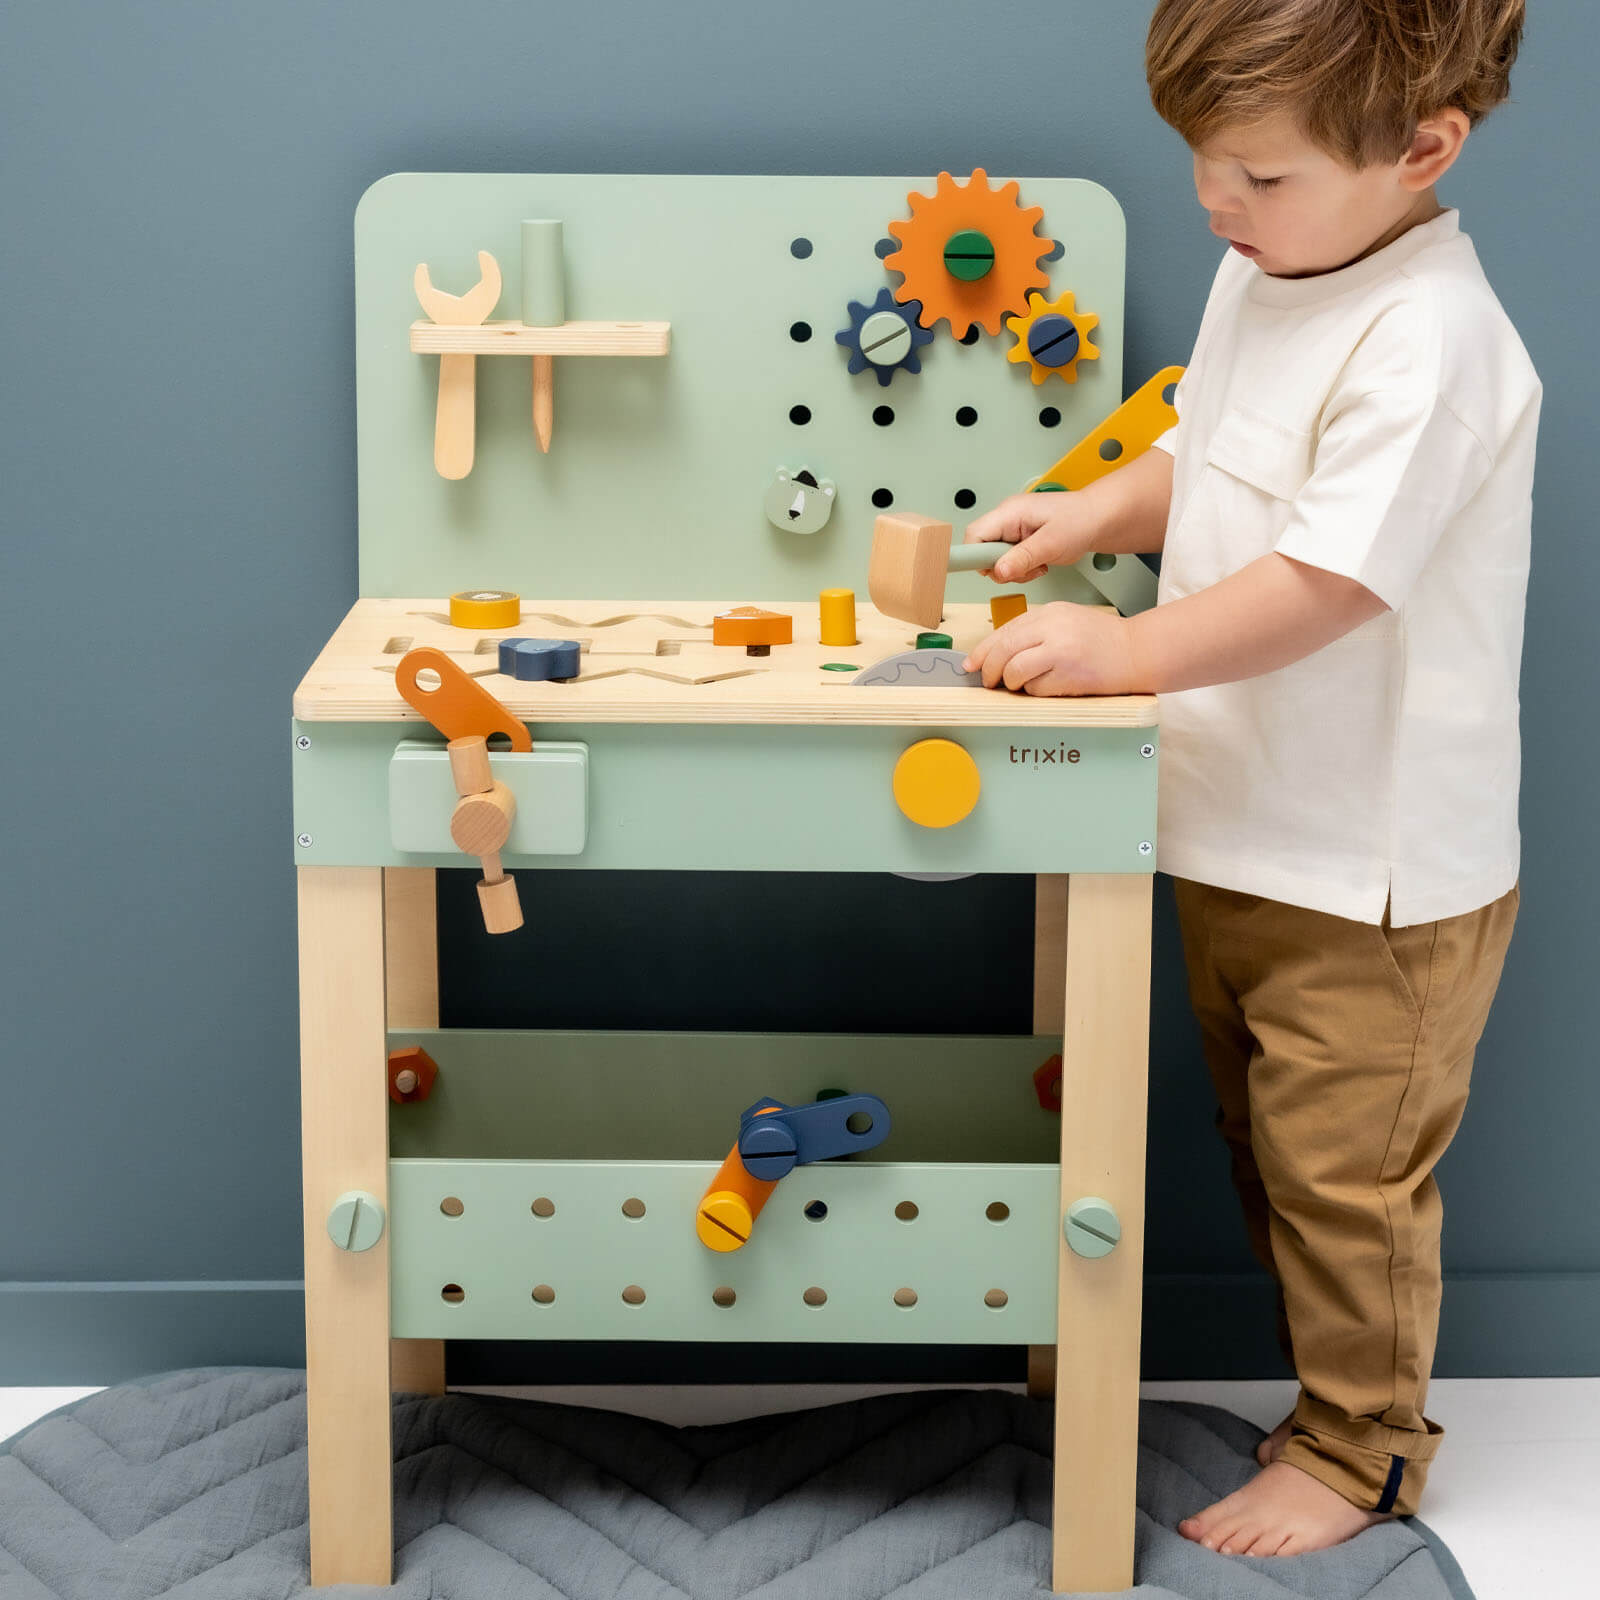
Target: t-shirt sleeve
x,y
1393,467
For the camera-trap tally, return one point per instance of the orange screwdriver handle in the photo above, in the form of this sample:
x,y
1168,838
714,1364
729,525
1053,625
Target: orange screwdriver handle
x,y
460,707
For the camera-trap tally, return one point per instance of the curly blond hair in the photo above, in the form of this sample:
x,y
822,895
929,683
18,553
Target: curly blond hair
x,y
1358,75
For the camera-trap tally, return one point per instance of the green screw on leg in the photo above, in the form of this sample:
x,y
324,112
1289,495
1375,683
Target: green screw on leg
x,y
355,1220
1091,1227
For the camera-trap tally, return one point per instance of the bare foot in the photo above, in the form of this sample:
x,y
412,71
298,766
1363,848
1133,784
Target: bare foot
x,y
1271,1447
1282,1511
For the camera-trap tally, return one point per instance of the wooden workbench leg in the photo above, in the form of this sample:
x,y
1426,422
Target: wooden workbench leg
x,y
1049,1004
411,960
1104,1088
344,1145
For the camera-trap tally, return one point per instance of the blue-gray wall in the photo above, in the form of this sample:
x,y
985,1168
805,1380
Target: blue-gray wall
x,y
177,479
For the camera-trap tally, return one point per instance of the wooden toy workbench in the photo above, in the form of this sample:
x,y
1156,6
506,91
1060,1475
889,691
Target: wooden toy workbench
x,y
547,1187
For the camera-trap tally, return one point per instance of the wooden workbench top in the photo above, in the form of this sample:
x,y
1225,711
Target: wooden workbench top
x,y
654,662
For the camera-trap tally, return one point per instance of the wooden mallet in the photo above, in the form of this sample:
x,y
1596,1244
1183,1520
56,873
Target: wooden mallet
x,y
911,558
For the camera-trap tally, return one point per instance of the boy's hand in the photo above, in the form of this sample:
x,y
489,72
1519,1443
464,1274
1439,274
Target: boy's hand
x,y
1059,649
1048,530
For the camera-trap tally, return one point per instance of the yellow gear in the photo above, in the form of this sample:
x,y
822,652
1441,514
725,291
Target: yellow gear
x,y
1085,322
981,295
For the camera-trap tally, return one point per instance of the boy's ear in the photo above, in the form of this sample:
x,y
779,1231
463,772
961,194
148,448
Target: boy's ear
x,y
1434,148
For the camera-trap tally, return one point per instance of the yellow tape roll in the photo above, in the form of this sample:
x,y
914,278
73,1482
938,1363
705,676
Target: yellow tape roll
x,y
485,608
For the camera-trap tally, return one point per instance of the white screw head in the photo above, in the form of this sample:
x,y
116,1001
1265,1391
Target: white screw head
x,y
1145,847
1146,750
303,742
304,841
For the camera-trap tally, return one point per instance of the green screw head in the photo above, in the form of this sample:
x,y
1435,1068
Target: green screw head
x,y
1091,1227
885,339
934,641
355,1221
968,255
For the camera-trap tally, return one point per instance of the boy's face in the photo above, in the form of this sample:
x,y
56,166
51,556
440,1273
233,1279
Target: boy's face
x,y
1293,209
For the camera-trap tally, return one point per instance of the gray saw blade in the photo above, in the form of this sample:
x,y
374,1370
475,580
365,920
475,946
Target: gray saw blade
x,y
922,669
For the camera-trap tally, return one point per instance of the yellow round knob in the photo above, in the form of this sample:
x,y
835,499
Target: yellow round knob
x,y
936,783
724,1221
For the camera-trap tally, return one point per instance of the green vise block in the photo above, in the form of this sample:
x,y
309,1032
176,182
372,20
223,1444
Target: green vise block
x,y
550,783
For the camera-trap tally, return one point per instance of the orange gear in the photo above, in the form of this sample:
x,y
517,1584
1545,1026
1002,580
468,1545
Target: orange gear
x,y
1062,309
1006,227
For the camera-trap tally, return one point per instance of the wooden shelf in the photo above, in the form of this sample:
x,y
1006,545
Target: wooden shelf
x,y
566,339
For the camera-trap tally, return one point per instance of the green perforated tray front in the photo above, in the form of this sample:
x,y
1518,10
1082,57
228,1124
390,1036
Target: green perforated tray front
x,y
979,1233
658,466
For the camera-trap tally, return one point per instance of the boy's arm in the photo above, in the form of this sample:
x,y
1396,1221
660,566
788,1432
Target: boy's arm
x,y
1123,513
1266,615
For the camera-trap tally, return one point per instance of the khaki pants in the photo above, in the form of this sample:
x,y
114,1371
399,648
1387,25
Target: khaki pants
x,y
1341,1053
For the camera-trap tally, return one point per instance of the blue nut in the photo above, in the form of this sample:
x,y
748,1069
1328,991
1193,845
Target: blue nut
x,y
768,1148
539,660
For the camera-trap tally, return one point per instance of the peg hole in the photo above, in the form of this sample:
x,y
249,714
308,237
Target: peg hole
x,y
723,1296
998,1211
907,1211
996,1299
543,1294
633,1207
905,1298
815,1297
451,1206
859,1123
816,1211
800,249
633,1295
543,1208
452,1294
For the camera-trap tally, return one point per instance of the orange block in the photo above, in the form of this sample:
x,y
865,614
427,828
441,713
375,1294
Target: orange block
x,y
752,625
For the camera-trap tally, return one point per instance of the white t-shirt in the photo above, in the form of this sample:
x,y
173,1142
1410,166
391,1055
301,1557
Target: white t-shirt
x,y
1377,422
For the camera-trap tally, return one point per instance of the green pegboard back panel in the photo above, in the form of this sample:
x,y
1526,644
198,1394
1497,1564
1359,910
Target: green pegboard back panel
x,y
977,1231
520,1094
654,483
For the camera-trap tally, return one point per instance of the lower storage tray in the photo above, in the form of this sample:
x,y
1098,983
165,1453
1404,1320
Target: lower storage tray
x,y
853,1251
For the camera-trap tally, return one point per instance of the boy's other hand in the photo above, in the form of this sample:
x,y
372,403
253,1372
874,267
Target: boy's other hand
x,y
1046,530
1059,649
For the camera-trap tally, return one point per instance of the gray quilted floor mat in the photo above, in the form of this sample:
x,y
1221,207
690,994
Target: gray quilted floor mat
x,y
193,1485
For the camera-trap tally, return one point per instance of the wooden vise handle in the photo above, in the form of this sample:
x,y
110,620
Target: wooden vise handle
x,y
480,825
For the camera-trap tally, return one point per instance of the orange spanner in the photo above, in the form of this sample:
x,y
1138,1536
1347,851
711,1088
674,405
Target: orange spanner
x,y
460,707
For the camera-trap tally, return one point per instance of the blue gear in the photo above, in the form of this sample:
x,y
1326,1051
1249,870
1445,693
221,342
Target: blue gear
x,y
909,312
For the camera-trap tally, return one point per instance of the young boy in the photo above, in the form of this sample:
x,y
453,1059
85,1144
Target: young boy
x,y
1343,513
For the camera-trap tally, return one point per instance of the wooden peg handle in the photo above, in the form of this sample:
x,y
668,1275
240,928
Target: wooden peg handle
x,y
480,825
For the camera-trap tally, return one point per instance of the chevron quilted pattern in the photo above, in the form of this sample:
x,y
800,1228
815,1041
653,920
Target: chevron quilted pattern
x,y
193,1485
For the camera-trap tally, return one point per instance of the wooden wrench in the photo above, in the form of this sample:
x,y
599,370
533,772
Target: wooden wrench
x,y
454,423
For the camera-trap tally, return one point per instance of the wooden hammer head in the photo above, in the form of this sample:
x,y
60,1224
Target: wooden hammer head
x,y
908,566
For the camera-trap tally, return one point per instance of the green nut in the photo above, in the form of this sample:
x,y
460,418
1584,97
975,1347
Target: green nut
x,y
968,255
355,1221
1091,1227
